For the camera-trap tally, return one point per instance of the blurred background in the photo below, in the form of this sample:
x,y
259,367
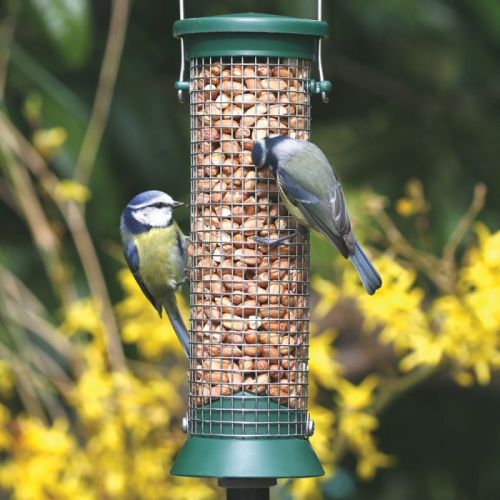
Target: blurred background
x,y
403,391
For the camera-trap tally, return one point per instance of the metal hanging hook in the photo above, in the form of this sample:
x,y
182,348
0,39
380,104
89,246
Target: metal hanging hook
x,y
324,96
181,85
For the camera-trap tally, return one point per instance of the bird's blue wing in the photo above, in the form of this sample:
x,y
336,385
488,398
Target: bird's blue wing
x,y
313,215
132,257
318,213
293,190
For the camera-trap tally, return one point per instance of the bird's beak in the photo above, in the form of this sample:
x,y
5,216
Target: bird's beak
x,y
176,204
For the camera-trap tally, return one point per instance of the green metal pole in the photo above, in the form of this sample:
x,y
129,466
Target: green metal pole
x,y
247,489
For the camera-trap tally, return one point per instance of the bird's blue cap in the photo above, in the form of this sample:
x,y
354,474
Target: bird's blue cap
x,y
262,150
150,197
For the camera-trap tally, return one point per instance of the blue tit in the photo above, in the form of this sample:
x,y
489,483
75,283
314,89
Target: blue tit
x,y
311,191
155,251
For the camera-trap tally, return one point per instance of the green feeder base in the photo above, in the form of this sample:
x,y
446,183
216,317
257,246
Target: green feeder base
x,y
246,458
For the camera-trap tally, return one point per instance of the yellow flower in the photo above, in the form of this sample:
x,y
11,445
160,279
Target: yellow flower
x,y
6,378
463,378
321,440
141,324
5,438
92,394
329,296
406,207
39,439
40,459
114,482
414,203
371,461
322,364
425,350
357,397
48,141
305,489
32,107
357,427
67,190
81,315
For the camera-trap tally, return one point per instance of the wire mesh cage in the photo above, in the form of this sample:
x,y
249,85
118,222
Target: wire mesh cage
x,y
249,300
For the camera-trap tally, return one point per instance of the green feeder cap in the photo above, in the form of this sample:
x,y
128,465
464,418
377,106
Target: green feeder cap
x,y
250,34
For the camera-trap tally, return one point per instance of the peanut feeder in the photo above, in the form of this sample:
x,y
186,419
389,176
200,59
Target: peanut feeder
x,y
249,77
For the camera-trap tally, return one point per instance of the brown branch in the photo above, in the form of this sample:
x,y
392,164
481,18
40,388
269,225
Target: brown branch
x,y
24,150
399,385
18,290
464,224
32,386
97,284
43,329
7,29
426,262
75,220
104,93
24,384
41,231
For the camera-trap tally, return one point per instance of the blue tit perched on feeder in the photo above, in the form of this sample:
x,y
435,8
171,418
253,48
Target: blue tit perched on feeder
x,y
312,194
155,250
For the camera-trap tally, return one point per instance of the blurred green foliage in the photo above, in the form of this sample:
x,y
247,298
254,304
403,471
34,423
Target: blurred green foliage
x,y
416,94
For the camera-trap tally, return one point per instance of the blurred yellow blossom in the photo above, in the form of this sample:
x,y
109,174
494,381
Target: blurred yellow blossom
x,y
322,365
306,488
357,397
5,438
141,324
369,463
69,190
329,294
6,378
32,108
48,141
45,462
405,207
414,203
117,433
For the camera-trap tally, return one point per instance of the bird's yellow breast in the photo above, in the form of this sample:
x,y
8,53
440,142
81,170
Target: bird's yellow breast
x,y
160,262
292,209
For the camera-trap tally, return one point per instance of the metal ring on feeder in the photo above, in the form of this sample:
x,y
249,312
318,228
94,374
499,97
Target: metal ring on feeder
x,y
249,301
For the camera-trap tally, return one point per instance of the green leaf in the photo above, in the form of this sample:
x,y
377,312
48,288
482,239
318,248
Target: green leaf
x,y
67,23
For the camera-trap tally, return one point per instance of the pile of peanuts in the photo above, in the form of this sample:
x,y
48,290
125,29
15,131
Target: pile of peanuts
x,y
249,300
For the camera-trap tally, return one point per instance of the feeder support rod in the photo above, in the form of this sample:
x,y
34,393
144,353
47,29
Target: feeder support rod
x,y
180,93
247,489
324,96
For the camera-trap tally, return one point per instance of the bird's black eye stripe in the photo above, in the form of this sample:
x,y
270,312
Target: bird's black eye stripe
x,y
160,205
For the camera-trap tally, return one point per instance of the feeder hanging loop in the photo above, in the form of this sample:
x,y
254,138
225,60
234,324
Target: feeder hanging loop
x,y
324,85
181,85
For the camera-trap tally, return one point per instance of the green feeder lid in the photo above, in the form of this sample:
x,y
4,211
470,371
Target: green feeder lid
x,y
250,34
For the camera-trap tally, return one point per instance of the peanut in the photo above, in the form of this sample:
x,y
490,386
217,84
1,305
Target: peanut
x,y
249,299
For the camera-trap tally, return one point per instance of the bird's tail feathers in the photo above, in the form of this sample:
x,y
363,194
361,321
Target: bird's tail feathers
x,y
368,274
178,325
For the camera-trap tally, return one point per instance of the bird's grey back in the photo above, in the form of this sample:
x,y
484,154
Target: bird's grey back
x,y
305,161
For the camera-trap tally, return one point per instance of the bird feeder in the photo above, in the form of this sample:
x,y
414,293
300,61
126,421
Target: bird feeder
x,y
249,77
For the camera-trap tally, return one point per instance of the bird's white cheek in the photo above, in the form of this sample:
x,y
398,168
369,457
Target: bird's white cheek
x,y
160,218
154,217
